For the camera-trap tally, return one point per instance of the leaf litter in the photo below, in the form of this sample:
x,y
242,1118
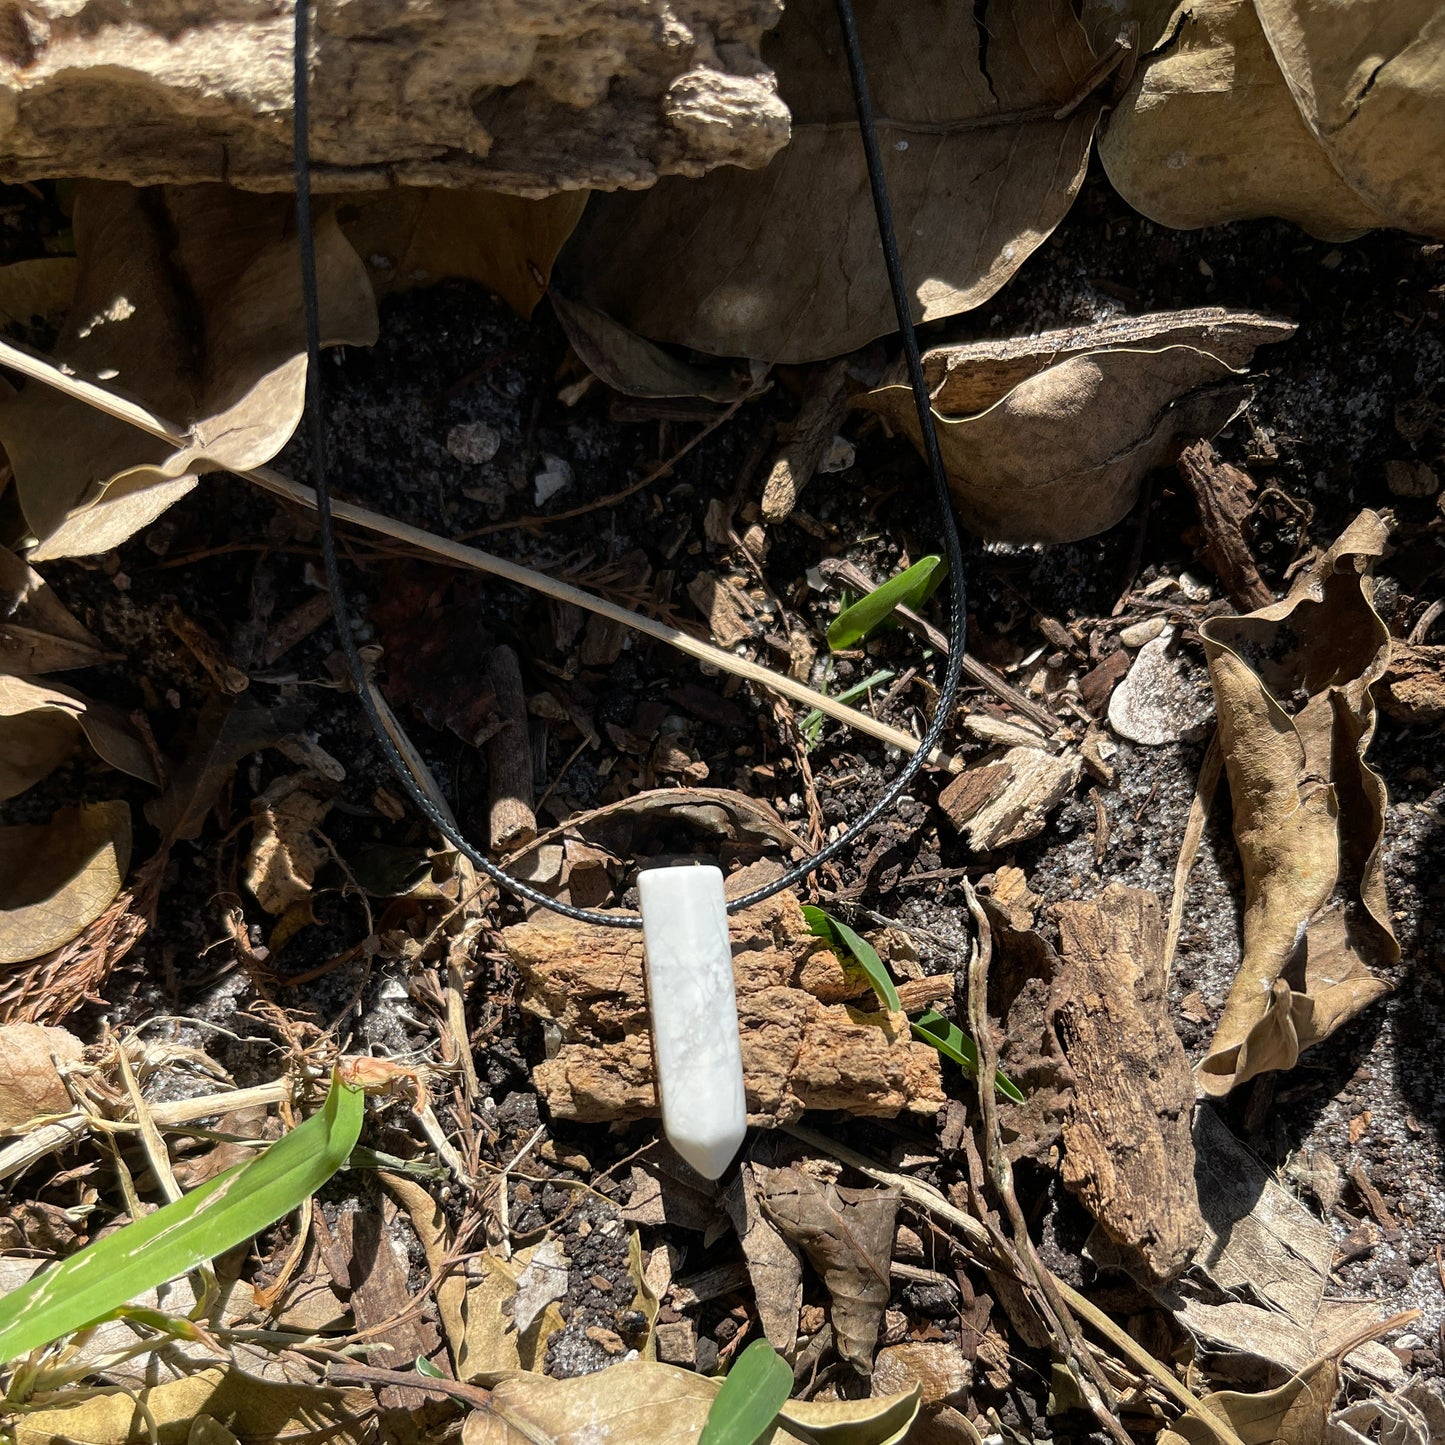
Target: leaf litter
x,y
1134,405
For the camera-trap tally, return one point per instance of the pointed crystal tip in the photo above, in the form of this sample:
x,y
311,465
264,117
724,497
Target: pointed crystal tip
x,y
710,1156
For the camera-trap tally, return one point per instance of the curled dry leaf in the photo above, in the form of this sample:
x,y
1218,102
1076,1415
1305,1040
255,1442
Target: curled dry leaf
x,y
847,1235
158,269
638,1402
1292,691
30,1084
986,147
1326,114
413,237
40,725
38,633
285,851
1047,438
56,878
631,364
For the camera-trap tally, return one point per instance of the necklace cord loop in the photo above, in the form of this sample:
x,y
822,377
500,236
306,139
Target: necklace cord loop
x,y
958,605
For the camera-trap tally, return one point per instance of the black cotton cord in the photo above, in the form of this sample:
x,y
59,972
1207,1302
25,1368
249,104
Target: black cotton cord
x,y
958,608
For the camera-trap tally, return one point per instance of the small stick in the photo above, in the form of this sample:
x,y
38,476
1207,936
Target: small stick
x,y
509,756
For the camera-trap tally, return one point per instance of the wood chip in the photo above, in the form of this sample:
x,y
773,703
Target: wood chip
x,y
723,606
1006,801
1224,496
1128,1154
818,421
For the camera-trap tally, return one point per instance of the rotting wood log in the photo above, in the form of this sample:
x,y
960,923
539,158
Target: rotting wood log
x,y
524,96
811,1037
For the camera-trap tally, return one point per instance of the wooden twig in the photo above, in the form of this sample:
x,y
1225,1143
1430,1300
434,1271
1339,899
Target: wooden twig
x,y
509,756
1188,849
1067,1338
472,1395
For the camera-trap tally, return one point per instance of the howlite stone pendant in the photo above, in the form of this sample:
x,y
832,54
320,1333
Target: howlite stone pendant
x,y
694,1014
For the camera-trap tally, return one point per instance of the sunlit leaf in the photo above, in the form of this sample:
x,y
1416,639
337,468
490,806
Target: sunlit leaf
x,y
907,589
953,1043
756,1388
843,939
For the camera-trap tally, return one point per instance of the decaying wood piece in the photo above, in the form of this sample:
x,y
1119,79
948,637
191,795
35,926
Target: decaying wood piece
x,y
1009,799
1128,1154
1413,687
818,422
1222,494
526,96
804,1046
509,756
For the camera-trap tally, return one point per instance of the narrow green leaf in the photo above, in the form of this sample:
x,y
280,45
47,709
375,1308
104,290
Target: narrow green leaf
x,y
224,1212
425,1367
756,1388
953,1043
909,587
844,940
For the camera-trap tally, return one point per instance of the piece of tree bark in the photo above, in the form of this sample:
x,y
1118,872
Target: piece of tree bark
x,y
1222,493
1008,800
1128,1153
526,96
509,756
804,1047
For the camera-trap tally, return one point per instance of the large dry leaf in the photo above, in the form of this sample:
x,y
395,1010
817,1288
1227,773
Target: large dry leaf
x,y
412,237
638,1402
189,300
847,1235
30,1084
256,1412
1046,439
40,725
774,1266
57,877
1296,715
38,633
1293,1414
783,263
1369,79
1208,131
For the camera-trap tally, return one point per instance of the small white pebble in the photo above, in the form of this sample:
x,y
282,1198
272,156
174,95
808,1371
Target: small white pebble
x,y
1141,632
555,476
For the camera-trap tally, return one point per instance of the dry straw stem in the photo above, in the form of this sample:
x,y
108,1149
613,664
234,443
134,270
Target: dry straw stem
x,y
977,1238
46,372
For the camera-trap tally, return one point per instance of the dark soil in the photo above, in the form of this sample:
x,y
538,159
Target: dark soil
x,y
1352,391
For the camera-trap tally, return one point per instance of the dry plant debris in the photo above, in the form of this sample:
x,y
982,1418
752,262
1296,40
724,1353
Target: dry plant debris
x,y
517,1244
1047,439
1296,714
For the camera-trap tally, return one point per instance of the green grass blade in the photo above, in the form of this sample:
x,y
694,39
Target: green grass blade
x,y
953,1043
912,586
756,1388
222,1213
843,940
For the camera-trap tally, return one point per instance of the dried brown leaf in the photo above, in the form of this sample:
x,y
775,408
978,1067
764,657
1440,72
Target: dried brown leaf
x,y
1296,715
157,270
1369,80
847,1235
226,731
1293,1414
1047,439
30,1085
38,633
1209,132
40,725
414,237
638,1402
60,876
631,364
285,851
774,1266
782,263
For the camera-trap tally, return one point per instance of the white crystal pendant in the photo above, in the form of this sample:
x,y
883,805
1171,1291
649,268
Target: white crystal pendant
x,y
694,1014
